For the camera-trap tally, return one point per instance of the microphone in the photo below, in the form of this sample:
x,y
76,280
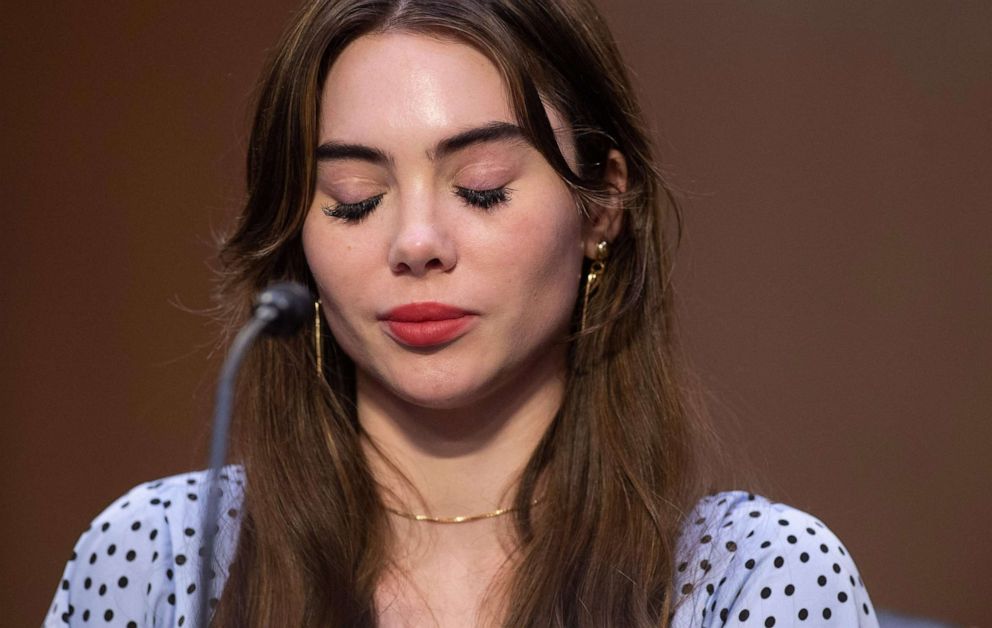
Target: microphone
x,y
279,310
284,306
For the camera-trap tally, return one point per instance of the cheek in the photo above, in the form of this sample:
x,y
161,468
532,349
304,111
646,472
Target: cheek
x,y
550,252
335,265
319,249
334,262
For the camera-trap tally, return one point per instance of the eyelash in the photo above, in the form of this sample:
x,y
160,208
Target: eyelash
x,y
353,212
483,199
357,212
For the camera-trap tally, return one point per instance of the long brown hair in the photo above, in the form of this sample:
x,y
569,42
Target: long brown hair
x,y
618,469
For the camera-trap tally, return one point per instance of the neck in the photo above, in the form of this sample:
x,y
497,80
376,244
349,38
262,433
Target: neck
x,y
458,461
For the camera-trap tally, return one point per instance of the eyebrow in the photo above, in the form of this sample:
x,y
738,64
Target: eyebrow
x,y
491,132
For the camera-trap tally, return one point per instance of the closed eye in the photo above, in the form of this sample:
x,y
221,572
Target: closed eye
x,y
484,199
353,212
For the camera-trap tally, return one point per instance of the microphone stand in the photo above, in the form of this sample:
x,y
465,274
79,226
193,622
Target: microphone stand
x,y
218,450
279,310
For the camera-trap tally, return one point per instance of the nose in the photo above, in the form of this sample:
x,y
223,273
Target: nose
x,y
421,245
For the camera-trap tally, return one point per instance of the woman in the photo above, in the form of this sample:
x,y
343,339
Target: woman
x,y
485,425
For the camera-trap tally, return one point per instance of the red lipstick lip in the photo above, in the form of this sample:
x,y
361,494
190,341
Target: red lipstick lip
x,y
426,311
427,324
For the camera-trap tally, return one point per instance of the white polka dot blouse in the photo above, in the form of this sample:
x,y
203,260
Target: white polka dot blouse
x,y
743,561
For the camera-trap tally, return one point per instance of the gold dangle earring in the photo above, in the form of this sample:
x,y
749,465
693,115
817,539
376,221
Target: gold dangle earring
x,y
318,344
596,270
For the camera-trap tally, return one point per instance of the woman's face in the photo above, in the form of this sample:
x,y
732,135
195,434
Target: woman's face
x,y
446,251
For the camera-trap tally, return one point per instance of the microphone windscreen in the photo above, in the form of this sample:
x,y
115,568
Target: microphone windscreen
x,y
285,305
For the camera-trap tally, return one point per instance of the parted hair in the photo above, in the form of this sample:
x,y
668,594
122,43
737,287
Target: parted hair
x,y
620,465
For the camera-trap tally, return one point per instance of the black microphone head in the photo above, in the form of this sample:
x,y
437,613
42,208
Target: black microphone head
x,y
285,305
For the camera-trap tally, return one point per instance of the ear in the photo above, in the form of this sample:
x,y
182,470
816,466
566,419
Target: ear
x,y
606,217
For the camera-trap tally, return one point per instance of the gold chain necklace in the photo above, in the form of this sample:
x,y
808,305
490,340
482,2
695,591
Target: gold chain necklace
x,y
459,518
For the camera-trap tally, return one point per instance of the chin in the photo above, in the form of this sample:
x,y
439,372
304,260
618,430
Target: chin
x,y
437,395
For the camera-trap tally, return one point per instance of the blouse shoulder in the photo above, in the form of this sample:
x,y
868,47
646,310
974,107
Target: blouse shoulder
x,y
744,557
138,562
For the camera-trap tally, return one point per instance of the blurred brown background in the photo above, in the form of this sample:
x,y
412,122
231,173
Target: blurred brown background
x,y
834,162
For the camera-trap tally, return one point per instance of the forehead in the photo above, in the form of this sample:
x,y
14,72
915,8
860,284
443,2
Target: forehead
x,y
413,84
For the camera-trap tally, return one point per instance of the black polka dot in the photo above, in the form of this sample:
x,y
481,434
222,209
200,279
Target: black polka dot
x,y
108,615
132,624
737,525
